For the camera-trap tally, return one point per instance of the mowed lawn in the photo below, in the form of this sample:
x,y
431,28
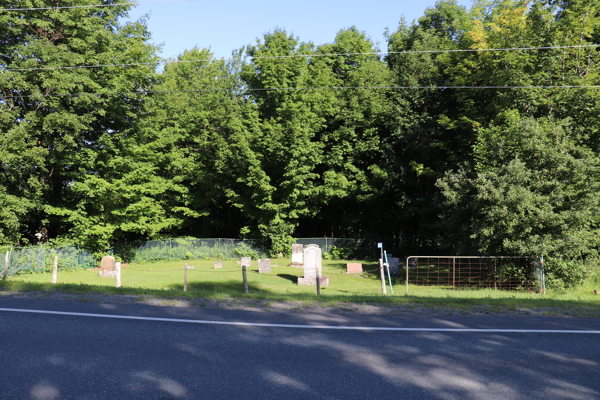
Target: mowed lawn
x,y
165,279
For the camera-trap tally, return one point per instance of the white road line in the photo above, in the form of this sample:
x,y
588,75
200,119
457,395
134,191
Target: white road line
x,y
293,326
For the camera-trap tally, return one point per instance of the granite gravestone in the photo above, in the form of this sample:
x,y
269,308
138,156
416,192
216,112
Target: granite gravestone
x,y
394,263
218,264
264,266
354,268
108,263
108,267
247,261
312,261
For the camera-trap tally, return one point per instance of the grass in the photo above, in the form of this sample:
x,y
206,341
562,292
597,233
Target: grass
x,y
165,279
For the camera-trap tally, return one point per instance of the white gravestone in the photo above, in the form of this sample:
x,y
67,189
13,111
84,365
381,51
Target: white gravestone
x,y
247,261
264,266
312,261
297,254
218,264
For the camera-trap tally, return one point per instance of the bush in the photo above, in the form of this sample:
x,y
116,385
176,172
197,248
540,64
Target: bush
x,y
564,274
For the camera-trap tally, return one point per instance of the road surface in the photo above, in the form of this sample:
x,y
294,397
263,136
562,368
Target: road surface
x,y
178,353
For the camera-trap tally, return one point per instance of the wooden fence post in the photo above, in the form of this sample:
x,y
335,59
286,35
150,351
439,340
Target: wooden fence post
x,y
245,277
54,269
382,276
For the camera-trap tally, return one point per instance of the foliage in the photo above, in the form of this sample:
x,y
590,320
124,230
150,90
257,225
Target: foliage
x,y
300,139
564,274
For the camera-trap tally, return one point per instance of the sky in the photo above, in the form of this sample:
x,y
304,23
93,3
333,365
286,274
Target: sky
x,y
228,25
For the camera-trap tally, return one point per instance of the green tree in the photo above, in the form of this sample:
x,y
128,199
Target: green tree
x,y
59,140
534,191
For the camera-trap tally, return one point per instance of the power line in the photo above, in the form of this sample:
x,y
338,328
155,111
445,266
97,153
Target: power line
x,y
166,62
135,3
145,92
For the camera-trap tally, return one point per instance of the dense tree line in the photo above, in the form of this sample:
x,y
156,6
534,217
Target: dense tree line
x,y
331,140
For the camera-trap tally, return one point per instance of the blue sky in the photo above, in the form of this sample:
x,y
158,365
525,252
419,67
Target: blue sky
x,y
227,25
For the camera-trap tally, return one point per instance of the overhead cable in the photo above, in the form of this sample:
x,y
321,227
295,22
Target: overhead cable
x,y
145,92
133,3
167,62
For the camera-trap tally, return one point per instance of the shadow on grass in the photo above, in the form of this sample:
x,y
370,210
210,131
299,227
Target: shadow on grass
x,y
292,278
234,289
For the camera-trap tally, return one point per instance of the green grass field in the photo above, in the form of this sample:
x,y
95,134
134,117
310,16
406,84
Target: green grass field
x,y
165,279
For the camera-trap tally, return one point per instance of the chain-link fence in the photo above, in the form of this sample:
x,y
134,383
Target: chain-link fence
x,y
23,260
189,249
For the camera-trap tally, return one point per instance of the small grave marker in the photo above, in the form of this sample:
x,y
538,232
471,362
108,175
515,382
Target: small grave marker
x,y
394,264
246,261
354,268
108,263
297,254
264,266
218,264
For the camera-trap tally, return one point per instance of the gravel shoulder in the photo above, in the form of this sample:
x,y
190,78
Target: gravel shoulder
x,y
264,306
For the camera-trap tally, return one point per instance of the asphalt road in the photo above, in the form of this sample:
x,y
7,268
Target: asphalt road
x,y
50,356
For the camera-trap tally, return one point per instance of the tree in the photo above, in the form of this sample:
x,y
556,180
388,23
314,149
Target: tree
x,y
535,190
57,138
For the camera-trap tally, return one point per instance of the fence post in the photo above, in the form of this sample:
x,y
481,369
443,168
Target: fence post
x,y
118,268
382,276
453,272
245,277
54,269
170,251
185,272
5,273
406,280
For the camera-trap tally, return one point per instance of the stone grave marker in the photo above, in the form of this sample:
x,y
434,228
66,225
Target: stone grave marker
x,y
218,264
247,261
108,263
394,263
354,268
264,266
108,267
298,254
312,260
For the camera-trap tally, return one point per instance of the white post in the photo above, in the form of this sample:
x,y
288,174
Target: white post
x,y
118,268
5,274
54,269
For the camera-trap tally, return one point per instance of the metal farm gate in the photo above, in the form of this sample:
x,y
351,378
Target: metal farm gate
x,y
490,272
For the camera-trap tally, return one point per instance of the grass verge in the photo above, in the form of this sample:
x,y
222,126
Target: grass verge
x,y
165,280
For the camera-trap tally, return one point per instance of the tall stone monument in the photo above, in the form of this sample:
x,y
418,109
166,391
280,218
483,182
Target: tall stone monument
x,y
312,261
297,254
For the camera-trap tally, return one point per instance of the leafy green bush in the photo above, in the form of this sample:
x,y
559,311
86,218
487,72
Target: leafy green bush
x,y
564,274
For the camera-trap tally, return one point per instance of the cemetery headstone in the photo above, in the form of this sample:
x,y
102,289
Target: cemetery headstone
x,y
218,264
312,260
264,266
108,263
298,254
354,268
247,261
394,263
